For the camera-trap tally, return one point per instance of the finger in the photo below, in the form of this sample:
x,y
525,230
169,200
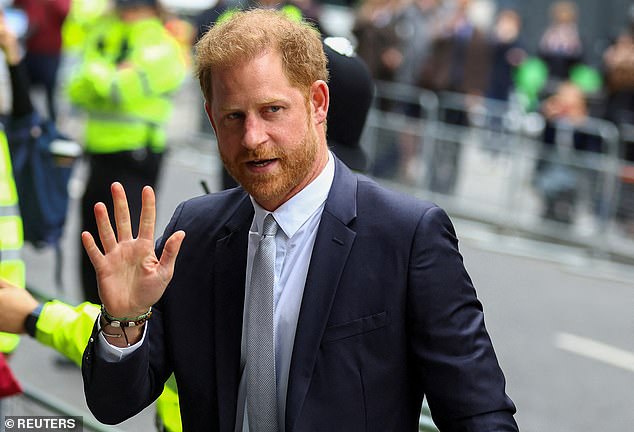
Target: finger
x,y
91,249
121,212
106,234
168,257
148,214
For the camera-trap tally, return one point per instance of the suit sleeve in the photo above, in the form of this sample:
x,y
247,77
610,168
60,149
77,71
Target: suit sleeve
x,y
116,391
456,365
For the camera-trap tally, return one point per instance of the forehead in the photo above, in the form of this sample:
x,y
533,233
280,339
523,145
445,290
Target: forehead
x,y
265,68
260,79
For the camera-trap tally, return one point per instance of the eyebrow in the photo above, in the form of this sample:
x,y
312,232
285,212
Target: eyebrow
x,y
271,101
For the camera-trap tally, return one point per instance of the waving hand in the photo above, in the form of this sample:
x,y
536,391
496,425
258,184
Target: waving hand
x,y
130,276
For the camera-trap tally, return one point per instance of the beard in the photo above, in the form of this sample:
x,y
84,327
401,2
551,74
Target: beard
x,y
295,164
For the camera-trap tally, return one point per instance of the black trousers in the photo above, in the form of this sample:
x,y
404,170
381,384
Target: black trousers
x,y
42,70
133,170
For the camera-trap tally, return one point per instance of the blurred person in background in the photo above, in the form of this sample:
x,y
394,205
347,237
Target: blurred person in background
x,y
560,45
377,42
44,44
9,385
207,17
352,92
416,27
82,18
311,12
183,32
618,70
11,227
560,173
11,236
507,53
459,62
130,67
459,59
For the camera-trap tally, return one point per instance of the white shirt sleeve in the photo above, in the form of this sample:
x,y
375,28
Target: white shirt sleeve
x,y
113,353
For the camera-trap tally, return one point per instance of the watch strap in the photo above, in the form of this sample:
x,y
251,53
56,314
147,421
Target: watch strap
x,y
30,323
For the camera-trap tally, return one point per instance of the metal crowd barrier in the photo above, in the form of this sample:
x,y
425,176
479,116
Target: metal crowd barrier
x,y
481,159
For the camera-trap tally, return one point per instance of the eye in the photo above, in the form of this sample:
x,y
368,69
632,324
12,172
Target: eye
x,y
234,116
274,108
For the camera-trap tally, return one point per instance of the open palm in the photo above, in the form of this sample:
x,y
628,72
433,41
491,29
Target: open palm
x,y
130,276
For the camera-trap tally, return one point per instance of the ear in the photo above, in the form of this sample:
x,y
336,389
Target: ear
x,y
320,100
209,116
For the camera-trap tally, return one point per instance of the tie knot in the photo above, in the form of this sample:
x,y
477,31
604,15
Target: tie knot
x,y
269,227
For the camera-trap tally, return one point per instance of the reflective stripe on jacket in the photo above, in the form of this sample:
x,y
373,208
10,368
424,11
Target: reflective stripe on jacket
x,y
11,234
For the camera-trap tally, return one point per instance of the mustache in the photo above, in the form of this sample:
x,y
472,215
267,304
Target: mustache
x,y
260,154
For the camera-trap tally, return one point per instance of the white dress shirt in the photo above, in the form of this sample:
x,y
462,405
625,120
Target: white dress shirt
x,y
298,220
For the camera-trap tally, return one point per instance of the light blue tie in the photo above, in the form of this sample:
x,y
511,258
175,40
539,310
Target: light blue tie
x,y
261,382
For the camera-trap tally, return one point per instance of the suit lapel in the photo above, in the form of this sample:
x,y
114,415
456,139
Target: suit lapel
x,y
229,280
330,253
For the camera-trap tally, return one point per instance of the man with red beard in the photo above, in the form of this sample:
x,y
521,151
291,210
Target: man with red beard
x,y
309,298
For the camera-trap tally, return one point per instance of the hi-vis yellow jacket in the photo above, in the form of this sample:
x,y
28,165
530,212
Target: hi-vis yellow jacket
x,y
66,329
125,81
11,234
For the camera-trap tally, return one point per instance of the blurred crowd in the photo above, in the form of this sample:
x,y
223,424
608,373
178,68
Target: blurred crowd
x,y
471,48
478,53
468,46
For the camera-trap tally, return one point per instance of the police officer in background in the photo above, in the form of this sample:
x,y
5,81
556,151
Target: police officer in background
x,y
11,238
353,91
129,68
11,231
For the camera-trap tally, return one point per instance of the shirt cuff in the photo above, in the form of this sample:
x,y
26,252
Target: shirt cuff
x,y
113,353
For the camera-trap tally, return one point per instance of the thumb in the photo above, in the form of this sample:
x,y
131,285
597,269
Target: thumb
x,y
170,252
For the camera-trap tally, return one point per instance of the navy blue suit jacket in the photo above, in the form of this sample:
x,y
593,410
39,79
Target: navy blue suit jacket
x,y
389,314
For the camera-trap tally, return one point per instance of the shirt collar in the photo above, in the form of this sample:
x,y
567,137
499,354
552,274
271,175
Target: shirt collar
x,y
291,215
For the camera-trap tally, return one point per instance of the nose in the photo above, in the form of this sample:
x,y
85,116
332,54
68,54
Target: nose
x,y
254,132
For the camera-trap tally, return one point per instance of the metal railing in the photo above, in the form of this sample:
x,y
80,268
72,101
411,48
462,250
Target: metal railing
x,y
481,159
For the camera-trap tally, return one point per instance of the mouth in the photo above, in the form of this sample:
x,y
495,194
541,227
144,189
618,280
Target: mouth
x,y
260,163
